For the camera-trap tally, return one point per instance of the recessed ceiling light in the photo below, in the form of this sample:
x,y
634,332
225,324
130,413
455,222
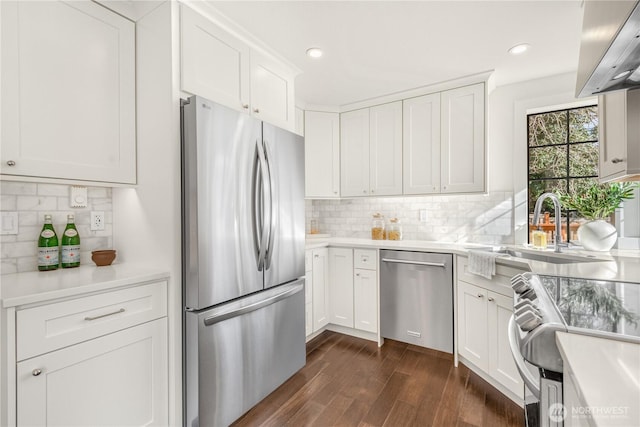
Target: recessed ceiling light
x,y
519,48
314,52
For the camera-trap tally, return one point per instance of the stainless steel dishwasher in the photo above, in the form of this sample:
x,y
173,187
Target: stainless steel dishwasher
x,y
416,298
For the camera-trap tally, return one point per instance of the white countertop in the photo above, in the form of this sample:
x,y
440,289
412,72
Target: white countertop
x,y
37,286
606,374
619,265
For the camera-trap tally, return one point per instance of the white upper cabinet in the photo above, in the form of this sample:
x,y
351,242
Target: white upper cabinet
x,y
215,64
272,94
421,144
385,149
619,135
463,140
322,154
68,92
219,66
354,153
371,151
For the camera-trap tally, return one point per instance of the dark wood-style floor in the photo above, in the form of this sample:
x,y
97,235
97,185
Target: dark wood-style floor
x,y
351,382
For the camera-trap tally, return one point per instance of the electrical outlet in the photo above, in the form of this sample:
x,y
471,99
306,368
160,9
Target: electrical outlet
x,y
97,221
423,215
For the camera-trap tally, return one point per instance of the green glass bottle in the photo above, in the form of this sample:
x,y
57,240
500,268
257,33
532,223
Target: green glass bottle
x,y
48,250
70,245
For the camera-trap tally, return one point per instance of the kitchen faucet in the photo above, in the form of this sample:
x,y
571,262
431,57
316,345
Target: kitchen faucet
x,y
558,213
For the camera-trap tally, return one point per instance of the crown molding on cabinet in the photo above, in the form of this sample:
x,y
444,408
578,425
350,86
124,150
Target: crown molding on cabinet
x,y
209,11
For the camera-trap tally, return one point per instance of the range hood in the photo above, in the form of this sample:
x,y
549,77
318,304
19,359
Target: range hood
x,y
610,47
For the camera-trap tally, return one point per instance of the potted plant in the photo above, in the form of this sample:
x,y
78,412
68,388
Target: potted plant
x,y
596,204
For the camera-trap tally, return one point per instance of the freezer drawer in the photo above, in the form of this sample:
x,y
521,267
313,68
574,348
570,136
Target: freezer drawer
x,y
238,353
416,298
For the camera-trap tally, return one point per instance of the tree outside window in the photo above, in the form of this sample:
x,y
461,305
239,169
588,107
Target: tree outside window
x,y
562,157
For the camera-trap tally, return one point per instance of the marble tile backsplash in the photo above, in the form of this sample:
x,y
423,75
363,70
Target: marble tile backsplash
x,y
484,219
32,201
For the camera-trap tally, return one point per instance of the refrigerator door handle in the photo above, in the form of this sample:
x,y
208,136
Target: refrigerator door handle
x,y
217,318
273,206
259,191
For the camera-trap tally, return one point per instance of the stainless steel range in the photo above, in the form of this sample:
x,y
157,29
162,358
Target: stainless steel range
x,y
544,305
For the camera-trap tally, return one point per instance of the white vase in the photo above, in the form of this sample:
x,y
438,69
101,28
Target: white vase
x,y
597,235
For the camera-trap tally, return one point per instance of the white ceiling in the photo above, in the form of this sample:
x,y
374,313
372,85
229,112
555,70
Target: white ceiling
x,y
374,48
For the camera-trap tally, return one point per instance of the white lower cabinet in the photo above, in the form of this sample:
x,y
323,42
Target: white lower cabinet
x,y
308,292
483,318
342,289
117,379
365,296
98,359
341,286
320,276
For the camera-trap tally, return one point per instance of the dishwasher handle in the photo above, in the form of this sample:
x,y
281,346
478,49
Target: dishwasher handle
x,y
406,261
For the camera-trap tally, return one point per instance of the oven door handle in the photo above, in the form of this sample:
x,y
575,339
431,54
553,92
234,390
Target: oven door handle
x,y
529,380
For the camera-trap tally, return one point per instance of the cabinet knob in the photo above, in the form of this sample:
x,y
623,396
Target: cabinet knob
x,y
357,274
256,110
245,106
36,372
480,296
364,191
491,299
614,161
316,256
11,163
335,192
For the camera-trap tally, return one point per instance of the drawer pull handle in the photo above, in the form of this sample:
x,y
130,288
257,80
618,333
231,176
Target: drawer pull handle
x,y
36,372
104,315
617,160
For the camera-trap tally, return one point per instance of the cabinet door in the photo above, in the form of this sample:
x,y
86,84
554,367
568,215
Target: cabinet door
x,y
463,140
365,296
117,379
68,92
619,134
214,64
322,154
341,286
501,364
421,139
354,153
272,92
320,288
472,324
385,149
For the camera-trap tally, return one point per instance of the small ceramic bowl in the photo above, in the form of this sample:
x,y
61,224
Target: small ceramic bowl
x,y
104,257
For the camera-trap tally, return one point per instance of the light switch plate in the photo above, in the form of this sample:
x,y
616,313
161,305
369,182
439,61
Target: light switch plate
x,y
78,197
9,223
423,215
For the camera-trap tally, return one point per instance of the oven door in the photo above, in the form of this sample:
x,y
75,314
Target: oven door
x,y
543,389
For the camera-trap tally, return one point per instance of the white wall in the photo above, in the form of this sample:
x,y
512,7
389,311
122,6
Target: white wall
x,y
147,217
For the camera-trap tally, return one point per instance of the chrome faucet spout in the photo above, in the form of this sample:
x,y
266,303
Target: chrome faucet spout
x,y
558,213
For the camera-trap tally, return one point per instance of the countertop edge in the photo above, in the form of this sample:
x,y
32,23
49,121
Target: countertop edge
x,y
27,288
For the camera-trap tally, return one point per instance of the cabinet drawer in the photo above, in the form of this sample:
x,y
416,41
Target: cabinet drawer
x,y
49,327
364,258
500,282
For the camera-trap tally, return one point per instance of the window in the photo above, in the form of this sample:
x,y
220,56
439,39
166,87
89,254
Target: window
x,y
562,157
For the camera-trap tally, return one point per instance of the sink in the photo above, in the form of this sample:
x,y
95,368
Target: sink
x,y
551,258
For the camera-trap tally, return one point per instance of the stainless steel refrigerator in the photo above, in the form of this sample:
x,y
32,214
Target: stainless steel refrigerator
x,y
243,260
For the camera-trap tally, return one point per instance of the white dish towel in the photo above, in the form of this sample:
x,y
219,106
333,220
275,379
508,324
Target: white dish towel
x,y
483,263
